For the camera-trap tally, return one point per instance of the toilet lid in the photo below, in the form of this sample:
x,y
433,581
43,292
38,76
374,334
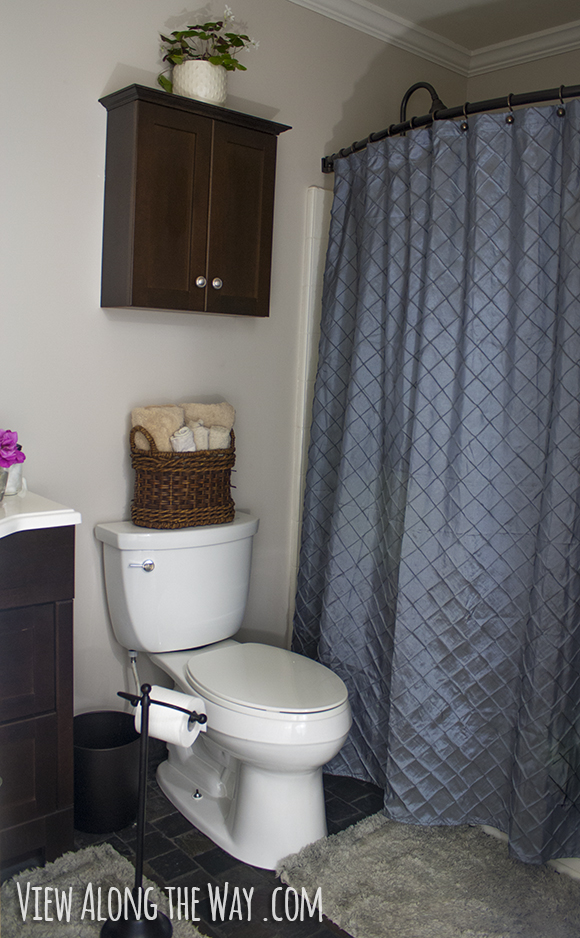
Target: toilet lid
x,y
265,678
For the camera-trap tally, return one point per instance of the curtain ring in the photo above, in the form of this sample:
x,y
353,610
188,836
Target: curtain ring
x,y
464,124
510,118
561,110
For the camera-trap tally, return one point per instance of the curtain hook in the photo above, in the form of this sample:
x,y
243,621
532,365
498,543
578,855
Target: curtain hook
x,y
464,124
561,110
510,118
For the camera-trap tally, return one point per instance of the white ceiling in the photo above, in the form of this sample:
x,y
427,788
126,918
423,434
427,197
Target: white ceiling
x,y
478,23
468,36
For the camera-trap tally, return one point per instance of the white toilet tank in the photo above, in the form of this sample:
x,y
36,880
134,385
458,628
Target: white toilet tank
x,y
195,592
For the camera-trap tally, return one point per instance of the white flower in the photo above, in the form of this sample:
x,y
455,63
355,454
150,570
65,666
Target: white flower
x,y
228,15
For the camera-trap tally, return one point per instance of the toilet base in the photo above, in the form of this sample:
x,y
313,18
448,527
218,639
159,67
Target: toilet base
x,y
269,815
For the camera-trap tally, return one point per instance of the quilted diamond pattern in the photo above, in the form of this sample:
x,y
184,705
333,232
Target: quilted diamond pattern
x,y
440,563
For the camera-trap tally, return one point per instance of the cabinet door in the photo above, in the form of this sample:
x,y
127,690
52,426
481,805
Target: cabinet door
x,y
28,769
171,207
27,662
241,216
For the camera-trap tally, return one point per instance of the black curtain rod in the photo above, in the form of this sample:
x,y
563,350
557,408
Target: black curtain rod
x,y
477,107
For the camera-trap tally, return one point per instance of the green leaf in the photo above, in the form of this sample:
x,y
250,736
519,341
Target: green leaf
x,y
206,41
165,83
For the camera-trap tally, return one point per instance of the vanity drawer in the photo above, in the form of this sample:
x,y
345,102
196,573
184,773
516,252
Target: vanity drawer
x,y
36,567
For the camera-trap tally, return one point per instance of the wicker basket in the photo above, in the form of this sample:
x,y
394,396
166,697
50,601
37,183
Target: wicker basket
x,y
181,490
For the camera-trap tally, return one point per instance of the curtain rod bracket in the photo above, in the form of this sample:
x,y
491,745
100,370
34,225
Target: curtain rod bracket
x,y
436,102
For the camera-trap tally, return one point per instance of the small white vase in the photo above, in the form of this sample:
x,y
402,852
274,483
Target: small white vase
x,y
202,80
3,482
14,483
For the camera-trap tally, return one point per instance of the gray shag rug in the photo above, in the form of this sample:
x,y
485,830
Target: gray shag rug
x,y
100,866
383,879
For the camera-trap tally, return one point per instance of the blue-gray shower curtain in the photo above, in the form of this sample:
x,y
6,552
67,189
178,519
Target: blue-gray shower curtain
x,y
440,560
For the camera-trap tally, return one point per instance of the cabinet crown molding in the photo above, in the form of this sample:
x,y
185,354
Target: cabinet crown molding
x,y
190,106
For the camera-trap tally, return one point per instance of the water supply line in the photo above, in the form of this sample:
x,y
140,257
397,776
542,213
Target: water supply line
x,y
133,661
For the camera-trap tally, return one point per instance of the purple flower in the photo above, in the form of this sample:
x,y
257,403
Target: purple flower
x,y
10,451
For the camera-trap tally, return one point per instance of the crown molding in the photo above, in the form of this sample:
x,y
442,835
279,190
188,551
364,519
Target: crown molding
x,y
377,22
526,49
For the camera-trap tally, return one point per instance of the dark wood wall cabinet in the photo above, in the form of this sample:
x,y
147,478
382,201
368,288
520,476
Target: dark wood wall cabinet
x,y
189,203
36,693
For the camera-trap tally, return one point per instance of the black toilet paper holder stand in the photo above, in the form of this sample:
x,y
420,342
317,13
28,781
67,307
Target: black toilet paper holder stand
x,y
160,926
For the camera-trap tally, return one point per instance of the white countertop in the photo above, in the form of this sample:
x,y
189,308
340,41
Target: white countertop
x,y
27,511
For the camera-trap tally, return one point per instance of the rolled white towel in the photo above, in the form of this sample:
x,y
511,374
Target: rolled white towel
x,y
182,441
201,436
219,438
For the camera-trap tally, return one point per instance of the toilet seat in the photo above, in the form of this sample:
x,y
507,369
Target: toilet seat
x,y
264,678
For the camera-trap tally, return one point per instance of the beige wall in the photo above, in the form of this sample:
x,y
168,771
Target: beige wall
x,y
549,72
71,371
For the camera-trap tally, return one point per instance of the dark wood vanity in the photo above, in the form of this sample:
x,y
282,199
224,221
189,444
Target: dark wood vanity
x,y
36,693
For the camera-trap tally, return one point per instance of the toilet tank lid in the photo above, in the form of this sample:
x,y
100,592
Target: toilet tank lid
x,y
127,536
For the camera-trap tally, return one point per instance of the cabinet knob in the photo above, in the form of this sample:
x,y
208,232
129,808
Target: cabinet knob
x,y
217,284
200,282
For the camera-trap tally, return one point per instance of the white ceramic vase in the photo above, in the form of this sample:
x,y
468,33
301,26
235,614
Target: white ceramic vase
x,y
202,80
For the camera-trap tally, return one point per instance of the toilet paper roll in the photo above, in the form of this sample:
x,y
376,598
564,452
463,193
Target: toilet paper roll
x,y
168,724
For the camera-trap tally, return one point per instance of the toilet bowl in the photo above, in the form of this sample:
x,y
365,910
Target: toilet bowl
x,y
256,775
253,781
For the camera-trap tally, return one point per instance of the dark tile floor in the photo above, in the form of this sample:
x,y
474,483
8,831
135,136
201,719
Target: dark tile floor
x,y
177,854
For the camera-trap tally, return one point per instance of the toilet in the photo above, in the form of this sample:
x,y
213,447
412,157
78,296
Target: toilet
x,y
253,781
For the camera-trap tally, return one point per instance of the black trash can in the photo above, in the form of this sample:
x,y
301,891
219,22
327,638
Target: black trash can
x,y
106,771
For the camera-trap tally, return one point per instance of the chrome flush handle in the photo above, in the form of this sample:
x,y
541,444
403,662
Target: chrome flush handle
x,y
147,565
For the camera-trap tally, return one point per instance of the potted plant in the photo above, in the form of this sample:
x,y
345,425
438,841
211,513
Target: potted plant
x,y
201,56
